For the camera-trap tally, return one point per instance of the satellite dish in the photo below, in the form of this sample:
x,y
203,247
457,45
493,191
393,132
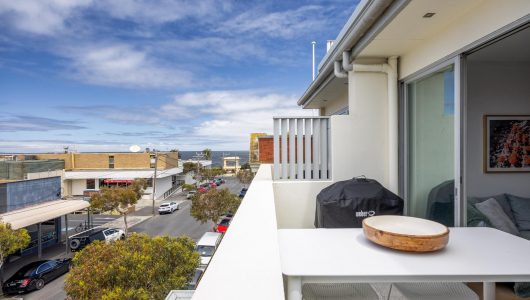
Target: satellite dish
x,y
134,148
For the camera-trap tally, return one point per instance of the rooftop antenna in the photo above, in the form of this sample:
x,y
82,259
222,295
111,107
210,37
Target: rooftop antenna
x,y
315,111
313,60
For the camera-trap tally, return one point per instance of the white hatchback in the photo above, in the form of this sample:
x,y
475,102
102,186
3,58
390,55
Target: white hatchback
x,y
168,208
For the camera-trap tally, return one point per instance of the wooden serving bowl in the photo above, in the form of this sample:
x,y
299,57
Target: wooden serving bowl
x,y
406,233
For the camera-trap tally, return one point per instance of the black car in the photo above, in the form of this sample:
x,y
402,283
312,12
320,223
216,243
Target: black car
x,y
35,275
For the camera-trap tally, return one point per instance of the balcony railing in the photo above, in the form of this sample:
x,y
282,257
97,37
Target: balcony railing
x,y
301,148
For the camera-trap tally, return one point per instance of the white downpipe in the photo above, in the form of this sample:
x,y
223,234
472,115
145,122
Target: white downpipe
x,y
390,68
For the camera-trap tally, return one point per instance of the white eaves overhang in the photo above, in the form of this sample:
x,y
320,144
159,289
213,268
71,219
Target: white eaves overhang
x,y
41,213
329,90
367,21
120,174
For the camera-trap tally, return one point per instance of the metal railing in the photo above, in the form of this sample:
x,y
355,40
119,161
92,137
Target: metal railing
x,y
173,189
301,148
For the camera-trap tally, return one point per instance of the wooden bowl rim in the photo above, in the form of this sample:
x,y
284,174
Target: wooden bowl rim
x,y
432,236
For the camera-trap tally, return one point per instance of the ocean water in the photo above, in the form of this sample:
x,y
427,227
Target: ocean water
x,y
217,156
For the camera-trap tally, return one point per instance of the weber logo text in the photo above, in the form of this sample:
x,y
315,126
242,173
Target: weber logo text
x,y
365,213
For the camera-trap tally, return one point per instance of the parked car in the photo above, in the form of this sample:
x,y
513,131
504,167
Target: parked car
x,y
193,283
242,194
201,190
230,215
244,190
206,246
168,208
35,275
217,182
222,180
79,241
190,194
223,225
213,185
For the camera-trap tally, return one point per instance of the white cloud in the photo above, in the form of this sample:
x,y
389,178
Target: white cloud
x,y
161,11
52,17
235,114
39,16
285,24
122,65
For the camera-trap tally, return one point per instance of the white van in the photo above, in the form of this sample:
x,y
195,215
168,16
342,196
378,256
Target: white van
x,y
207,245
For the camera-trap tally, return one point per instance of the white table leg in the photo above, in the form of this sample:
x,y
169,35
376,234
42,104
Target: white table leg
x,y
489,290
294,288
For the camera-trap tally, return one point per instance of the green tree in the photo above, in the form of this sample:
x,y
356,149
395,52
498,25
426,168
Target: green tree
x,y
207,153
245,166
245,177
176,150
138,268
212,204
11,240
189,187
190,167
119,198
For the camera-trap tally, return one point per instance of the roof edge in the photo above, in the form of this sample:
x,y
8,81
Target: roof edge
x,y
350,39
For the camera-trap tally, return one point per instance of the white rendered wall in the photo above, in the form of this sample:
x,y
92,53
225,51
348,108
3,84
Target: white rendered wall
x,y
162,185
359,146
359,143
296,201
78,187
494,88
481,20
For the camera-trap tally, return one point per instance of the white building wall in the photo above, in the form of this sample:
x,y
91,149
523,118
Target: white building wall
x,y
78,187
359,143
359,146
481,20
162,185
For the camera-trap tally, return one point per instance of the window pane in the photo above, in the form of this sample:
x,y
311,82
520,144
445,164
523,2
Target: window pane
x,y
431,147
90,184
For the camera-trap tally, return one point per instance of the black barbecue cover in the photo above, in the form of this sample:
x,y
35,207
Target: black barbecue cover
x,y
346,203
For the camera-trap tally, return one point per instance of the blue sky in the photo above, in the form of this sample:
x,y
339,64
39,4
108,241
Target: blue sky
x,y
105,75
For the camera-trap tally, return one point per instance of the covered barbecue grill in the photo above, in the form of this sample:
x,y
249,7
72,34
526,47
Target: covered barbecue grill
x,y
346,203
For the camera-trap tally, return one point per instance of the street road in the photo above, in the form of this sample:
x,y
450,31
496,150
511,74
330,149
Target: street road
x,y
177,224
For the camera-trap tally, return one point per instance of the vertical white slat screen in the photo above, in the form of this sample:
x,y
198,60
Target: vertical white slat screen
x,y
324,148
316,148
299,160
307,136
276,149
300,148
292,148
284,149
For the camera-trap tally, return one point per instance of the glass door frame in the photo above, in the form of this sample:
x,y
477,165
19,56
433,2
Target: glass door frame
x,y
458,61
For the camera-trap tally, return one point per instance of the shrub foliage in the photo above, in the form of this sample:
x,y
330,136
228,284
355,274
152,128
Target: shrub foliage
x,y
137,268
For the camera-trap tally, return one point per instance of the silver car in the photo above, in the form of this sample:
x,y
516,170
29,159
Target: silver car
x,y
168,208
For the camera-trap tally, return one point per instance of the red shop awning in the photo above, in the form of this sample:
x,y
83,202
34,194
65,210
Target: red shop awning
x,y
117,181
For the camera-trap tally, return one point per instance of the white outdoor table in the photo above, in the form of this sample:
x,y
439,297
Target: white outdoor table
x,y
345,255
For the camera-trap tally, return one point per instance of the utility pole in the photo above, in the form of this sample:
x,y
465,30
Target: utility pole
x,y
198,156
154,181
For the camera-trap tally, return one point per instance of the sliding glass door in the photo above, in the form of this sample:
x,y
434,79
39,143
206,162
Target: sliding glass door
x,y
432,145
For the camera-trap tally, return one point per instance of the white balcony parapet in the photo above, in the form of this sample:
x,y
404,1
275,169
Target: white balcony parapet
x,y
307,154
